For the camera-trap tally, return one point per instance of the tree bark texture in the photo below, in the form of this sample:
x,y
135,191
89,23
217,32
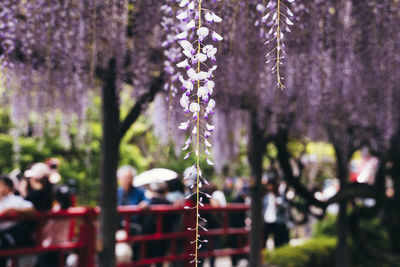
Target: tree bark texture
x,y
342,257
256,152
108,165
342,159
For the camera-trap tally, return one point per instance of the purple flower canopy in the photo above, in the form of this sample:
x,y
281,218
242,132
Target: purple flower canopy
x,y
338,70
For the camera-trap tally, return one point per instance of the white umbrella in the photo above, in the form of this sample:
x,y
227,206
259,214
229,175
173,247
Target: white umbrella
x,y
156,175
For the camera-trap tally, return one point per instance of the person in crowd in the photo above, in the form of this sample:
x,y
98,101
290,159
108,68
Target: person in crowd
x,y
127,194
39,190
176,190
12,234
211,220
275,209
229,189
56,231
53,164
158,248
217,197
238,220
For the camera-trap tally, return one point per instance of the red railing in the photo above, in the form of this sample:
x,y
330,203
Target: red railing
x,y
82,243
180,248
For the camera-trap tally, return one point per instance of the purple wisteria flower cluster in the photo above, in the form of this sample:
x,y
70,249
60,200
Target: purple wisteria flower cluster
x,y
197,40
278,20
7,33
172,50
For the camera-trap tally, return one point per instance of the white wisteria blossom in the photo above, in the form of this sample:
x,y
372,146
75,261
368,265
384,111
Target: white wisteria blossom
x,y
196,40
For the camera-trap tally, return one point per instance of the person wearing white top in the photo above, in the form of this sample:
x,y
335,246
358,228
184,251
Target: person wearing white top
x,y
11,235
275,215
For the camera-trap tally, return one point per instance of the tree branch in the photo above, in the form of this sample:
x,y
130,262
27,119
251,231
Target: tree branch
x,y
283,156
352,190
137,109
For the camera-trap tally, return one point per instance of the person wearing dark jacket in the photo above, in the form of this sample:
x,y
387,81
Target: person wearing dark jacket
x,y
158,248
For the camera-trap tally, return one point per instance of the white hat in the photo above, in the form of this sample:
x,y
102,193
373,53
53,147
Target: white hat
x,y
38,171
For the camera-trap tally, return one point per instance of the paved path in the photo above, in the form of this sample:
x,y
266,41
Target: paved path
x,y
225,262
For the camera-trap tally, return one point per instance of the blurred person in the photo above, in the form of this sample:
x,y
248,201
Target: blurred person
x,y
53,164
39,190
56,231
229,189
176,192
237,219
127,194
12,233
213,219
158,248
217,197
363,170
275,208
123,250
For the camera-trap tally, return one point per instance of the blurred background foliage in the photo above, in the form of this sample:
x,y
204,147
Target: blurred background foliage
x,y
140,148
320,249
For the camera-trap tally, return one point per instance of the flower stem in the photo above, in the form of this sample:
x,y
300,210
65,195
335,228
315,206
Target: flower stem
x,y
278,47
198,147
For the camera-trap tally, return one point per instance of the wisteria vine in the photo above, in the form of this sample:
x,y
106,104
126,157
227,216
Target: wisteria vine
x,y
196,99
278,20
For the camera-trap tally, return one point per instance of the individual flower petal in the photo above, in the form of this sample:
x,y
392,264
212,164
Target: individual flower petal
x,y
260,8
266,16
202,32
192,74
191,6
209,162
202,75
187,155
216,18
187,53
207,143
191,25
210,127
194,107
201,57
189,140
182,16
184,3
182,35
183,64
208,17
184,125
186,45
289,22
185,147
211,104
216,37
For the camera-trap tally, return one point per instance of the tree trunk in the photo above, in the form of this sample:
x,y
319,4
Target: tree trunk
x,y
108,165
256,152
342,257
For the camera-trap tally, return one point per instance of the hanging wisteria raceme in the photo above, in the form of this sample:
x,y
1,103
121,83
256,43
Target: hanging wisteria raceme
x,y
173,54
197,41
278,19
172,50
8,22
